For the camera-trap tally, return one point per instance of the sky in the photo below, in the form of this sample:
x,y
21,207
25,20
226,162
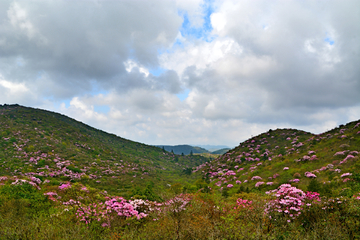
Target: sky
x,y
184,71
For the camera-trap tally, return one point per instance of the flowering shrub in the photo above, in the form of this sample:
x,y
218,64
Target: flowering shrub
x,y
357,196
289,202
313,196
310,175
243,203
64,186
346,175
256,178
258,184
296,180
51,195
347,158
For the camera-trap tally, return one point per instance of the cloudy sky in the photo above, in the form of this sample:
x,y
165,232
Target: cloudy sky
x,y
184,71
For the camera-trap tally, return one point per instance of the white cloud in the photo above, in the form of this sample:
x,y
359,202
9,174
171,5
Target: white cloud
x,y
266,64
199,54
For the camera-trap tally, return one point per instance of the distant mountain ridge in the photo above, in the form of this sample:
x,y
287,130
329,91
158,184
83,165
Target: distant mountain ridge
x,y
183,149
212,148
188,149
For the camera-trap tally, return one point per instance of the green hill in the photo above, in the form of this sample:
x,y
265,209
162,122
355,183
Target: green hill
x,y
221,151
54,170
56,148
291,156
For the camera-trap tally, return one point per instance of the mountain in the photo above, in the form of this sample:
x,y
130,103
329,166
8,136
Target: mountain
x,y
326,161
221,151
56,148
212,148
183,149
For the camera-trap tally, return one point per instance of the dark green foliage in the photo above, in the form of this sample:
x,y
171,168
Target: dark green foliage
x,y
314,186
74,169
29,198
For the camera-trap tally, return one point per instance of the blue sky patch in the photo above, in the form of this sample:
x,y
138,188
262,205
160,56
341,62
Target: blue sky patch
x,y
102,109
157,71
203,32
183,95
329,40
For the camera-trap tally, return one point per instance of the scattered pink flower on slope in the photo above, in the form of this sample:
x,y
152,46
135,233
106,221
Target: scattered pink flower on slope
x,y
258,184
64,186
346,175
256,178
310,175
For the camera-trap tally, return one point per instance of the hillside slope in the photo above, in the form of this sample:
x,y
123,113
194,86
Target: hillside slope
x,y
51,146
289,156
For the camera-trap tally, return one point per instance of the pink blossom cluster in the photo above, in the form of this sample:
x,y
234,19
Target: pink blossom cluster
x,y
176,204
3,178
347,158
346,175
258,184
313,196
256,178
123,208
289,201
340,153
22,181
296,180
243,203
357,196
65,186
310,175
276,175
36,180
51,196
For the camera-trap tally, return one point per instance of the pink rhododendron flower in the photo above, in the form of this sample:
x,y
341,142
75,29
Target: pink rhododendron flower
x,y
258,184
310,175
346,175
